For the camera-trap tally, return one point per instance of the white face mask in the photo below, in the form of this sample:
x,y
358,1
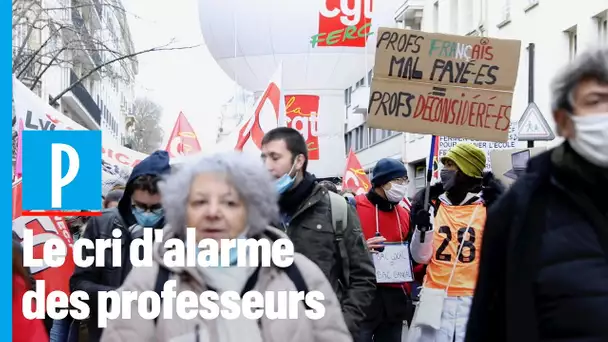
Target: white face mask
x,y
591,138
396,193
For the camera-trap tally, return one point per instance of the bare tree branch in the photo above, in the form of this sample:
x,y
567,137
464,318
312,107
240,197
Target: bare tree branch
x,y
145,134
63,33
90,72
39,76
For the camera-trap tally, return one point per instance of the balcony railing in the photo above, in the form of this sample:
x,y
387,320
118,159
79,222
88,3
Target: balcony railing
x,y
86,37
85,98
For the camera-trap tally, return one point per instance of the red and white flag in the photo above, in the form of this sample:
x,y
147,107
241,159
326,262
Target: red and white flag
x,y
269,113
182,141
355,178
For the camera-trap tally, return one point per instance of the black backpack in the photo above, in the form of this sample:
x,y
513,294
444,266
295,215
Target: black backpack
x,y
292,272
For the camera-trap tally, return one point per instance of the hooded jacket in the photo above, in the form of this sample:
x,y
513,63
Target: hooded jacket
x,y
157,164
111,276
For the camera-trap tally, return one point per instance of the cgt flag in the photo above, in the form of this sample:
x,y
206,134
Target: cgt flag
x,y
269,113
355,178
182,141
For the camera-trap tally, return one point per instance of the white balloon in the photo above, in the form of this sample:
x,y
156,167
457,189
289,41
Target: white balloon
x,y
249,38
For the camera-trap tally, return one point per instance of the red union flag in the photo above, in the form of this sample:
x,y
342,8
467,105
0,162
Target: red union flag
x,y
301,113
269,111
182,141
43,229
354,178
349,21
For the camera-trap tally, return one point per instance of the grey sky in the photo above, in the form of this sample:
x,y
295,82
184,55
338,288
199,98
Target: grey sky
x,y
185,80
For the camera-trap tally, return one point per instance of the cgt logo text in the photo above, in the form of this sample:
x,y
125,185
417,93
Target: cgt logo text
x,y
344,23
61,171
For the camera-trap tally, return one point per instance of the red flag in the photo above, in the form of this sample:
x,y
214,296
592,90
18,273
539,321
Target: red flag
x,y
354,177
45,228
301,112
183,140
17,193
253,128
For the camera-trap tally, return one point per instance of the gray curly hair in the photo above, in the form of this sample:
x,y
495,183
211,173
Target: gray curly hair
x,y
592,64
246,173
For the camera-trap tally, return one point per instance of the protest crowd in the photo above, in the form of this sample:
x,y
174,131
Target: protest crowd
x,y
467,259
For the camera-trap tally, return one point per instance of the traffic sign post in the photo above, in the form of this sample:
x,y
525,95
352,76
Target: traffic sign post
x,y
533,126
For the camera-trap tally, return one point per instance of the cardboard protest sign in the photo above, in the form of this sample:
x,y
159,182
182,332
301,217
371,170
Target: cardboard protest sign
x,y
445,85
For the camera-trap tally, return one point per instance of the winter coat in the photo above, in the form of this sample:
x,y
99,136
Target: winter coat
x,y
312,232
392,301
93,279
330,328
543,274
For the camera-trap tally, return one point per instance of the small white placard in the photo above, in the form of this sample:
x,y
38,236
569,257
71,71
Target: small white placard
x,y
393,265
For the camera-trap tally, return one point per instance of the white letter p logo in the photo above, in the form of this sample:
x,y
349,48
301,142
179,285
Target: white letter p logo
x,y
58,181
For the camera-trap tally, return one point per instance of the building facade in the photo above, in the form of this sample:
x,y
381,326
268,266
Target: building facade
x,y
77,45
557,28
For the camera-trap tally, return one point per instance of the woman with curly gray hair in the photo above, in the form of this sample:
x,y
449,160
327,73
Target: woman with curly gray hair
x,y
227,196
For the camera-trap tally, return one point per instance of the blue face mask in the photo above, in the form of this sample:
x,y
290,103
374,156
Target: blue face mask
x,y
234,254
286,182
147,218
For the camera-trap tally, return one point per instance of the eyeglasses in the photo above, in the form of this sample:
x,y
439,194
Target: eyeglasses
x,y
142,207
401,180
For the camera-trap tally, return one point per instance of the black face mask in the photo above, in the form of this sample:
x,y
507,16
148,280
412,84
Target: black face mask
x,y
448,179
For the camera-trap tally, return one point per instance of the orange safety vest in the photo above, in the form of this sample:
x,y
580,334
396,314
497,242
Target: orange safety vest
x,y
450,224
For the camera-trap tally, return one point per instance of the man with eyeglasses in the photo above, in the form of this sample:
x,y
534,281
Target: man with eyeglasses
x,y
138,209
385,221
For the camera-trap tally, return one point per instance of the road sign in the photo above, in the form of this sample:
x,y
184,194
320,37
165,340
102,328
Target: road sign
x,y
533,126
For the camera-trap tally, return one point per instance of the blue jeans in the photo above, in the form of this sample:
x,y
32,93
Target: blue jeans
x,y
60,330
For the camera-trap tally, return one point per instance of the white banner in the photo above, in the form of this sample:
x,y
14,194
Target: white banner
x,y
445,143
37,114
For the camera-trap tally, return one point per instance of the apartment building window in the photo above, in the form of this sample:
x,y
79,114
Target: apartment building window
x,y
361,138
347,142
348,96
419,175
371,136
360,83
572,41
